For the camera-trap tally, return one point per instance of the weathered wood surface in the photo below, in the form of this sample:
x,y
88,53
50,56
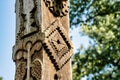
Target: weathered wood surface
x,y
43,48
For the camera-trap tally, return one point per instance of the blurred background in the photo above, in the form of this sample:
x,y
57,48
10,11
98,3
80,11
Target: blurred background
x,y
99,20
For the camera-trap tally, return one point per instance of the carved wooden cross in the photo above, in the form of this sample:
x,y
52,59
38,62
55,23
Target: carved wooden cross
x,y
43,48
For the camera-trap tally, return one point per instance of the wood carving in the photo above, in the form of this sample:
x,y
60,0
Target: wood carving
x,y
57,44
43,48
29,22
23,56
57,7
36,70
21,70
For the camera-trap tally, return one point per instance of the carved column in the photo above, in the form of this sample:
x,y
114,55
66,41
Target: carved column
x,y
43,48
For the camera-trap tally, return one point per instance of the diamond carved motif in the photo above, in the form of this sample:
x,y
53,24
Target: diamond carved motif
x,y
57,44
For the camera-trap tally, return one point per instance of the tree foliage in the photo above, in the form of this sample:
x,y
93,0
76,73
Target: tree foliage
x,y
0,78
100,20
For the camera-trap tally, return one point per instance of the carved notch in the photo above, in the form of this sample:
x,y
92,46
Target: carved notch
x,y
57,7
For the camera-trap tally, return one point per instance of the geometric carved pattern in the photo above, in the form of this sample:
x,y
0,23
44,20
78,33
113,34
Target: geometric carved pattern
x,y
28,22
34,37
20,49
58,8
36,70
20,71
23,56
57,44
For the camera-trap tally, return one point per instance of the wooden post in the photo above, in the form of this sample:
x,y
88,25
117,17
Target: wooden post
x,y
43,48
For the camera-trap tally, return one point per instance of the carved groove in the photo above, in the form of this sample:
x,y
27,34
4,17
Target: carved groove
x,y
36,37
36,70
29,23
21,58
20,70
58,8
57,45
